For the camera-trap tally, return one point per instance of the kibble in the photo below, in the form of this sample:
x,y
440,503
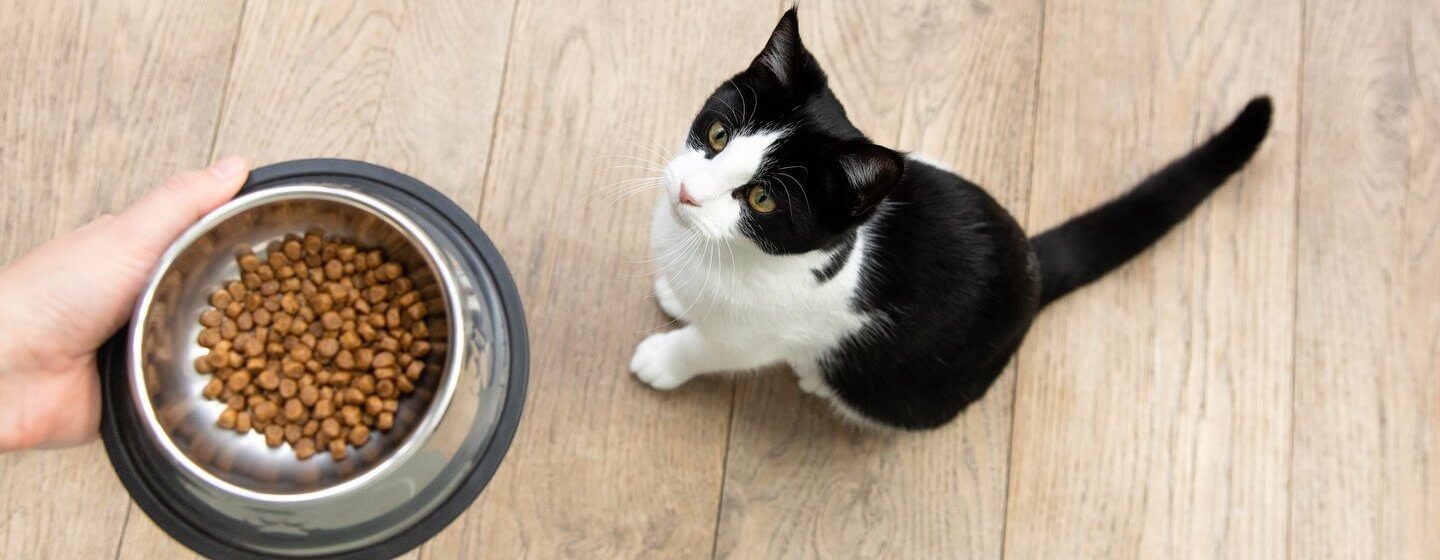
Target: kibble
x,y
313,344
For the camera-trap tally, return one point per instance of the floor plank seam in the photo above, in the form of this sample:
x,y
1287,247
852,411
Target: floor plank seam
x,y
725,468
124,526
1299,113
225,87
499,100
1029,204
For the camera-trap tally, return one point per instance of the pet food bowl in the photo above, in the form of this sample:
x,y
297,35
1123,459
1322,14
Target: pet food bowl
x,y
224,494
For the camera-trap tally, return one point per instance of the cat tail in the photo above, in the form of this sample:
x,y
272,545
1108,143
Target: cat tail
x,y
1087,246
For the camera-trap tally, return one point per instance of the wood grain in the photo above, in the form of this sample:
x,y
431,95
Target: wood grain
x,y
100,102
1367,392
800,483
1151,408
1152,413
602,467
409,85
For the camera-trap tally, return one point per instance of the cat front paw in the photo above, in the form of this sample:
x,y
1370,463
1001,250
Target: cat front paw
x,y
655,362
666,296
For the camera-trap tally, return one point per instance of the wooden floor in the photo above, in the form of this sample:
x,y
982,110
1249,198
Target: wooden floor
x,y
1264,384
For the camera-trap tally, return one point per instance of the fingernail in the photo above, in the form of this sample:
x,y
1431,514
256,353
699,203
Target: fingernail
x,y
227,168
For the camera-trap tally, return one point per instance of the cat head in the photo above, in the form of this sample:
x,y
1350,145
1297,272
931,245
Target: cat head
x,y
772,158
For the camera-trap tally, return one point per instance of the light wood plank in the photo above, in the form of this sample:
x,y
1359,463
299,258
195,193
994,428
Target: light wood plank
x,y
1367,394
409,85
954,82
101,102
1150,408
603,467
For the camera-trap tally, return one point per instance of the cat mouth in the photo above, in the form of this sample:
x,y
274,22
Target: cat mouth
x,y
679,213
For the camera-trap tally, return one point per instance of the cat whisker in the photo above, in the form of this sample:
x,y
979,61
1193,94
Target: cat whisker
x,y
620,186
798,184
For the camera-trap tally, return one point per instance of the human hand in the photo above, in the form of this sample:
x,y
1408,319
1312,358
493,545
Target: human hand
x,y
61,301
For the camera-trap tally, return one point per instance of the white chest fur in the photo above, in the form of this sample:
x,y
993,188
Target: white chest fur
x,y
744,308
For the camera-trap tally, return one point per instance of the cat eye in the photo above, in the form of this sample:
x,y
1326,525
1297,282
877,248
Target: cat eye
x,y
718,136
760,200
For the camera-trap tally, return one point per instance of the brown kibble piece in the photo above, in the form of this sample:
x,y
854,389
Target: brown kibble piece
x,y
313,243
293,433
242,422
364,357
420,349
288,388
334,270
266,411
345,360
304,449
268,379
383,359
327,348
384,420
209,337
350,415
337,449
324,408
391,271
211,317
373,405
213,388
330,427
414,370
385,388
354,396
293,409
227,419
359,435
252,347
274,435
239,381
254,365
292,250
331,320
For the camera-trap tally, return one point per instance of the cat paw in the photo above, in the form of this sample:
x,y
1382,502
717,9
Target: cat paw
x,y
813,385
666,296
655,364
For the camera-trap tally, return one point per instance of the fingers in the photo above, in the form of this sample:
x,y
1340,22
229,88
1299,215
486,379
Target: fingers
x,y
163,213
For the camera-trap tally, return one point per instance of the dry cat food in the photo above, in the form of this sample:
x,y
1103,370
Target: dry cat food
x,y
314,344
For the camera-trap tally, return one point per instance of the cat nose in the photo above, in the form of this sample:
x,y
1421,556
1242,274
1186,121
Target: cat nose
x,y
685,197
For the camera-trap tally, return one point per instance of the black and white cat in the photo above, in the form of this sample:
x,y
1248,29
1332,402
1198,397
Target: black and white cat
x,y
893,288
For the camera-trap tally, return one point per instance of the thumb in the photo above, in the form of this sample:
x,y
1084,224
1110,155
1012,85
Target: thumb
x,y
163,213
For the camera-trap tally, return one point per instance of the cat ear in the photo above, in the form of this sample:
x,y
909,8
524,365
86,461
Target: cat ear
x,y
784,56
870,173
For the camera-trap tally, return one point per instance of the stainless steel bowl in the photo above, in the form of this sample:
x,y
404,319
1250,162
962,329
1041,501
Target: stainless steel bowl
x,y
166,387
224,493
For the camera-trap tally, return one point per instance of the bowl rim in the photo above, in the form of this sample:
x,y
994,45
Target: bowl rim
x,y
302,190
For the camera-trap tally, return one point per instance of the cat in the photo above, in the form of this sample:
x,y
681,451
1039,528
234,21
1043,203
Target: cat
x,y
894,289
